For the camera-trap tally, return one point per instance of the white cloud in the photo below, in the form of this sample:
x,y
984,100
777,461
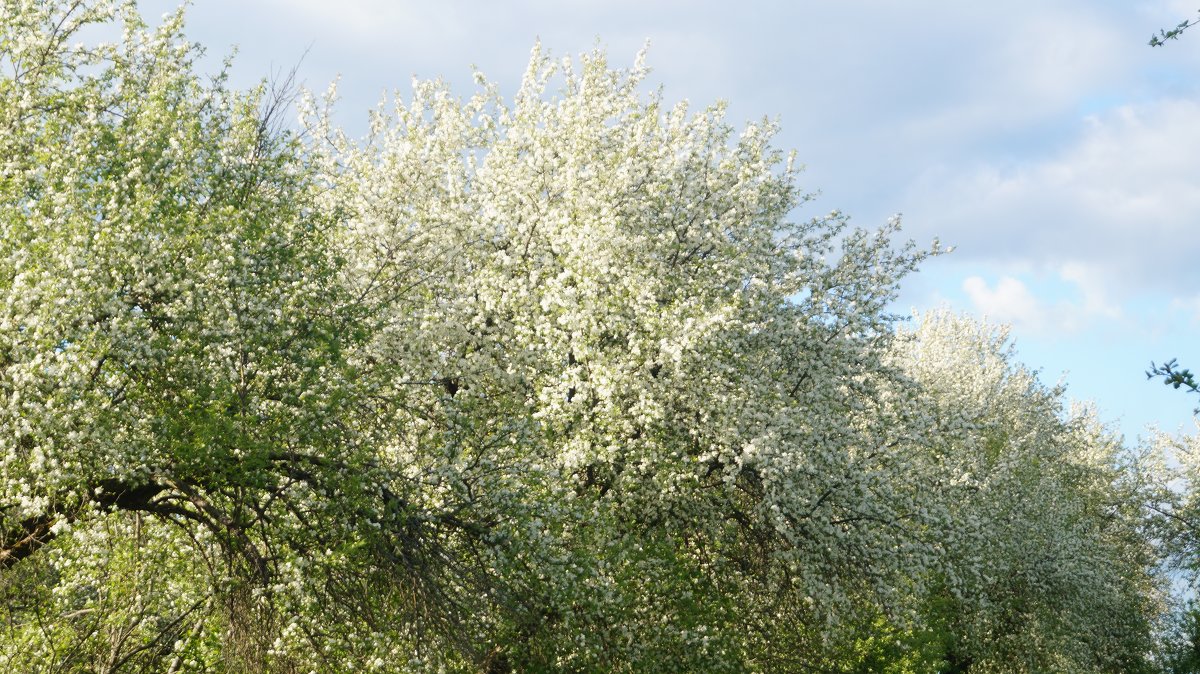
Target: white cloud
x,y
1121,203
1010,302
1021,73
1093,285
1074,300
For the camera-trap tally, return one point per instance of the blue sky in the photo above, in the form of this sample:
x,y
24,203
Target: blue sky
x,y
1044,139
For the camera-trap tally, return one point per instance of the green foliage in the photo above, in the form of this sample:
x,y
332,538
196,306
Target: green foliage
x,y
1175,376
1165,35
1181,650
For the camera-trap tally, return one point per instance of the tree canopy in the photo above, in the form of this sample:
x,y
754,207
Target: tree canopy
x,y
554,383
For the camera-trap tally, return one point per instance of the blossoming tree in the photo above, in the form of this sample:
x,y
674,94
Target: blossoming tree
x,y
1044,561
